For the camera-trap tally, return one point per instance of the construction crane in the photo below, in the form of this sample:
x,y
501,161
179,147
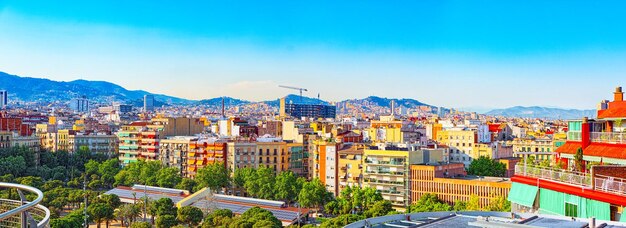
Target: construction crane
x,y
296,88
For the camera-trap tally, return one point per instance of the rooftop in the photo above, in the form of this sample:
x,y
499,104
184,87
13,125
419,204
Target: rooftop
x,y
476,219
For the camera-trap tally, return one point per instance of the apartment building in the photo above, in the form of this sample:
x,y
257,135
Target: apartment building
x,y
461,143
451,184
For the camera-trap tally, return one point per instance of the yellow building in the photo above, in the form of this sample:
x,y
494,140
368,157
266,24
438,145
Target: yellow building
x,y
350,166
461,144
540,148
274,154
386,130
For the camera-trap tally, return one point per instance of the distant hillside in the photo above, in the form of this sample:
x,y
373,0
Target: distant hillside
x,y
542,112
228,102
39,89
292,98
378,105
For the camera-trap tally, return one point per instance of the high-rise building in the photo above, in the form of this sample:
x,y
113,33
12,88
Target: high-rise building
x,y
148,103
80,104
4,100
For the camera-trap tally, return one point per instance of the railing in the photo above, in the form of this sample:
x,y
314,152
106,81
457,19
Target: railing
x,y
574,135
569,177
608,137
613,185
21,213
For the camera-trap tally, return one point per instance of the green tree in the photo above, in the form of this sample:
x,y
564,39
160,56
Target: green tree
x,y
257,215
189,215
429,203
243,175
313,194
110,199
379,208
499,203
166,221
460,205
216,218
578,160
100,212
163,206
186,184
484,166
261,184
168,177
341,221
141,225
127,214
286,187
214,176
473,204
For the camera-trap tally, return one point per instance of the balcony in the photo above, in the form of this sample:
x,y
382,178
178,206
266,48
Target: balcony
x,y
574,135
608,137
21,213
575,178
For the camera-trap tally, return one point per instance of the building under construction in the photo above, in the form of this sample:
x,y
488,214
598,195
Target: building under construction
x,y
306,110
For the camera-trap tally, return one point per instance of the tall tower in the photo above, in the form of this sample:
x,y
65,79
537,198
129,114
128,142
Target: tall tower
x,y
4,101
148,103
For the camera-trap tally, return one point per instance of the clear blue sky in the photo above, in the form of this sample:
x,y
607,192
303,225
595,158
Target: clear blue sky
x,y
464,54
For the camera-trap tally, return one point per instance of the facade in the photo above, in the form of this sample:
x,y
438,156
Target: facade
x,y
540,148
307,110
493,150
350,166
273,154
298,163
100,143
80,104
148,103
461,143
451,184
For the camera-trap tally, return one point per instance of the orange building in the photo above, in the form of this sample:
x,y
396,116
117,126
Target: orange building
x,y
451,184
202,153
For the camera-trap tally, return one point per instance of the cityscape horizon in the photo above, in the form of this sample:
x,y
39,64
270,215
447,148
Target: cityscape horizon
x,y
350,114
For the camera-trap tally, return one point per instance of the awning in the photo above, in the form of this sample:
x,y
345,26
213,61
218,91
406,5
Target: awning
x,y
592,158
615,162
523,194
569,156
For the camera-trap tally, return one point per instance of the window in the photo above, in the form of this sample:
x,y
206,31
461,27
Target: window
x,y
571,210
260,151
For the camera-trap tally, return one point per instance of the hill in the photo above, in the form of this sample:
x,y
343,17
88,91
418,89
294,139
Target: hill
x,y
542,112
39,89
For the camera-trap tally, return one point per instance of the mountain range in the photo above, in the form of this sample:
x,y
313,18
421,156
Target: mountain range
x,y
542,112
45,90
38,89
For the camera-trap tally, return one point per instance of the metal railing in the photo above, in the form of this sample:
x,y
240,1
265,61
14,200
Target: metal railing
x,y
608,137
609,184
575,178
21,213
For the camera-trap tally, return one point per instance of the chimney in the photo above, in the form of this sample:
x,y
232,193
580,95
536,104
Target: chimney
x,y
585,136
618,95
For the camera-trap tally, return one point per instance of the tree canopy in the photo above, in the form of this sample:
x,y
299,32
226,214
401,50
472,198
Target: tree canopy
x,y
484,166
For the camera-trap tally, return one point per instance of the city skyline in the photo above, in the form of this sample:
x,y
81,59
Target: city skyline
x,y
434,53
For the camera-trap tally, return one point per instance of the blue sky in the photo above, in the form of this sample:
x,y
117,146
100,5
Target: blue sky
x,y
464,54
